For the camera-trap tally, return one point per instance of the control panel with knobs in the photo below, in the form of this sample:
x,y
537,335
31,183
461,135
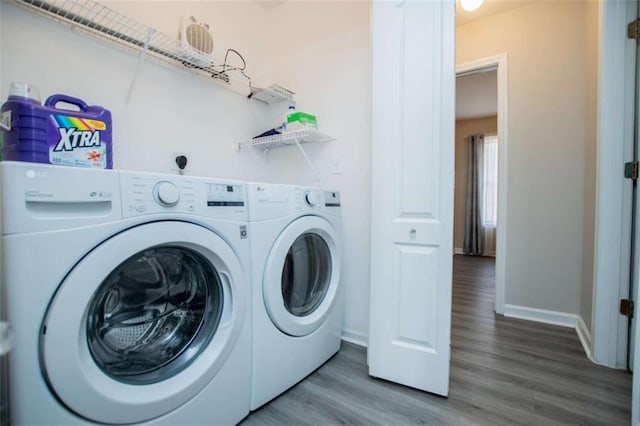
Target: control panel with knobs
x,y
147,194
166,194
311,198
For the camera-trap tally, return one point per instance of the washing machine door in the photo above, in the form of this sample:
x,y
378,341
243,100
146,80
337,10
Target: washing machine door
x,y
143,322
302,275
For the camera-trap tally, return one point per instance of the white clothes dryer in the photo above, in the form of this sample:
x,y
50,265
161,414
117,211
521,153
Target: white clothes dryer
x,y
128,296
297,303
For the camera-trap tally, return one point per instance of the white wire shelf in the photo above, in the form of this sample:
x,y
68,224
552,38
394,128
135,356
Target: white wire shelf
x,y
295,137
272,94
286,139
105,23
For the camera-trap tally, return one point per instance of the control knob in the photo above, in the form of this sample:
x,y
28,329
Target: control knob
x,y
166,194
311,198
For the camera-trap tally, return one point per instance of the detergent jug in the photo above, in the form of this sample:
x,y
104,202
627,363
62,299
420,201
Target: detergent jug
x,y
46,133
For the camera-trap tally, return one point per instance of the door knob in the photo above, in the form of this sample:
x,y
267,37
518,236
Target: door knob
x,y
413,233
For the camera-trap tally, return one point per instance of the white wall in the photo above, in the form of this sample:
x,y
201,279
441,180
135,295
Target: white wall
x,y
318,49
545,43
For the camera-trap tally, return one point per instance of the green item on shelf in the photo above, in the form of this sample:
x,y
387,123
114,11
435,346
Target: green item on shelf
x,y
301,119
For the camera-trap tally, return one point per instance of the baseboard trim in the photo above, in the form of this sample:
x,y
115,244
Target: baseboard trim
x,y
585,337
562,319
355,337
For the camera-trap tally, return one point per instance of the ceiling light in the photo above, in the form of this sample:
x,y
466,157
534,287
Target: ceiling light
x,y
471,5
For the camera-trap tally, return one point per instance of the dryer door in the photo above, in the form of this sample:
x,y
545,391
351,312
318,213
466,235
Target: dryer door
x,y
143,322
302,275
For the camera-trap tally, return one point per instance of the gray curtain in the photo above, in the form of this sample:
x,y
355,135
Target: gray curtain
x,y
473,230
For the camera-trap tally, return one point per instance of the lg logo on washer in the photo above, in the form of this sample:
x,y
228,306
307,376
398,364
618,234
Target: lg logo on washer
x,y
100,194
36,173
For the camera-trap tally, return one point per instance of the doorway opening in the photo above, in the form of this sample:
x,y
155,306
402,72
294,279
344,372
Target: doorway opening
x,y
476,191
481,174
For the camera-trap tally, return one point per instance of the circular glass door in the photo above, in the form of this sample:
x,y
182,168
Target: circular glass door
x,y
306,274
143,322
301,276
154,314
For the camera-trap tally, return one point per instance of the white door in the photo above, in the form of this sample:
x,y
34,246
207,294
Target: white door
x,y
302,275
143,322
412,187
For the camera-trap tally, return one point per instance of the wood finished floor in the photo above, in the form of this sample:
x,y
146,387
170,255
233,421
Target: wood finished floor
x,y
504,371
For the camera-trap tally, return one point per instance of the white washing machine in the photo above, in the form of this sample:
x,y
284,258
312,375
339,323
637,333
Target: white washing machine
x,y
128,297
297,303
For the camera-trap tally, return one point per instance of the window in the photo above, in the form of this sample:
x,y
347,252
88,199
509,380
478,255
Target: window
x,y
490,179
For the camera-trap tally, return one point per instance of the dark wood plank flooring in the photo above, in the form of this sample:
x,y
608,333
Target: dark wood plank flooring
x,y
504,371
